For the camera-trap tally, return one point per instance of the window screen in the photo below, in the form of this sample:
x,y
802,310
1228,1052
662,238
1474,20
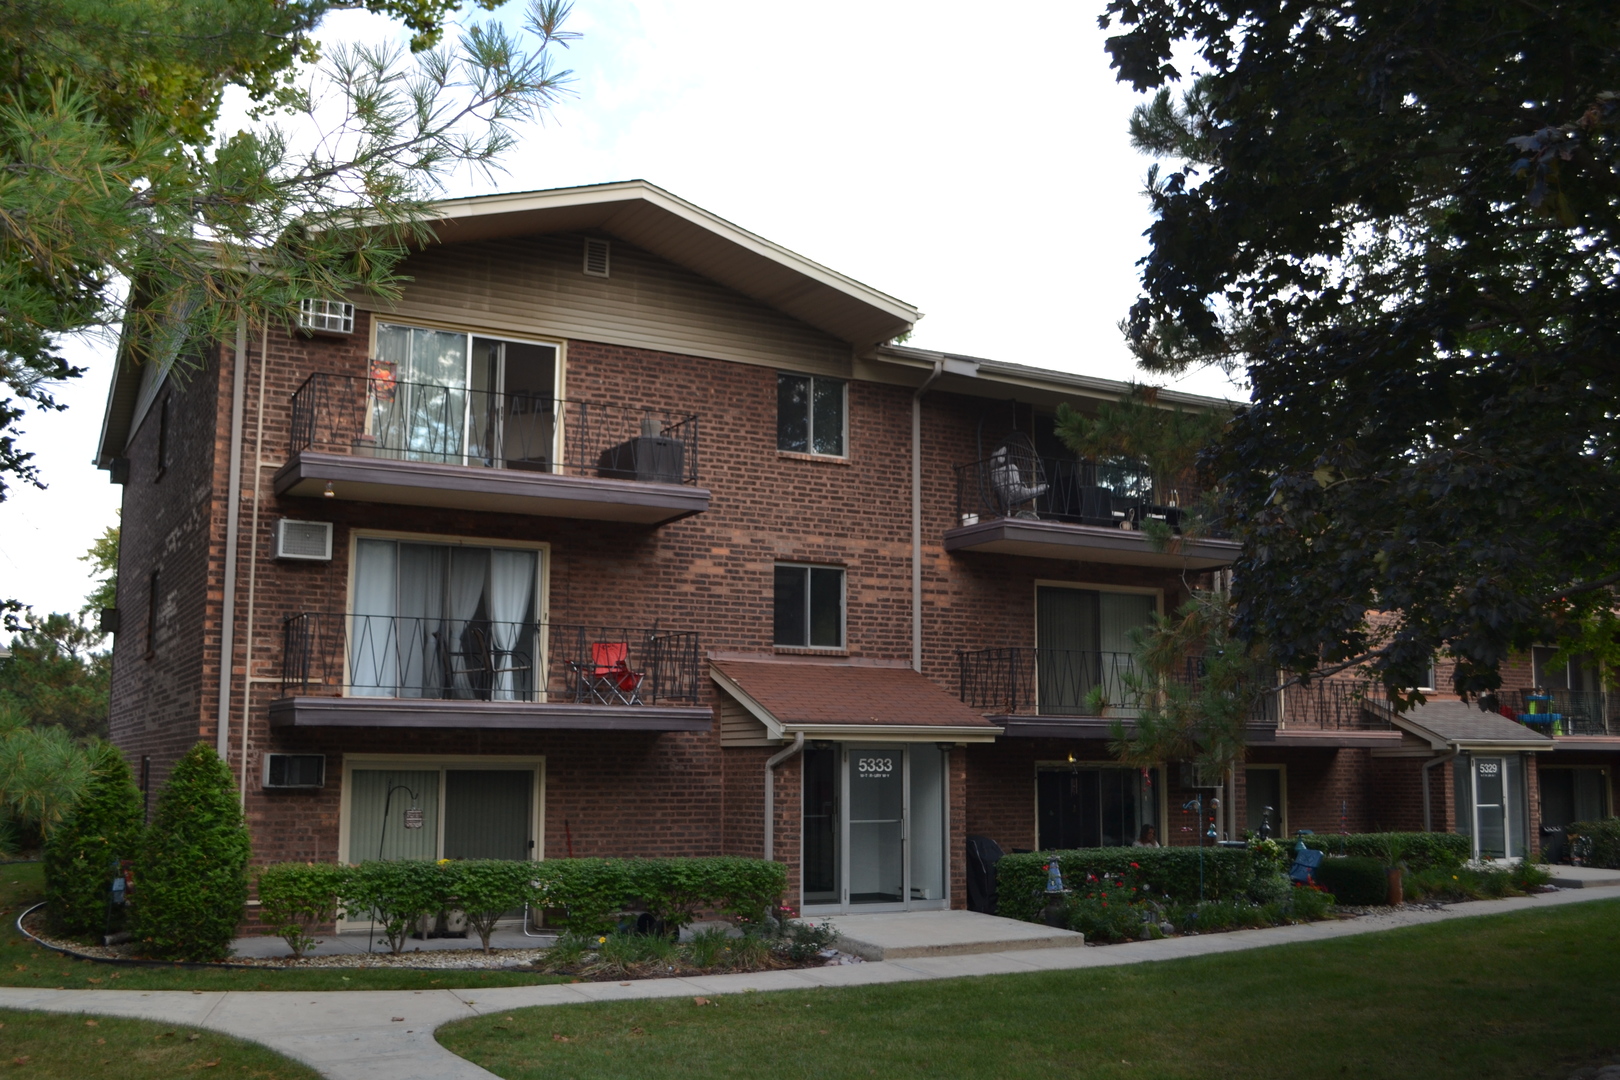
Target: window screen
x,y
810,414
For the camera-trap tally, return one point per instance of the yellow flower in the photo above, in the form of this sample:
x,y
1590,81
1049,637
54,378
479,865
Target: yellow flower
x,y
1453,877
601,941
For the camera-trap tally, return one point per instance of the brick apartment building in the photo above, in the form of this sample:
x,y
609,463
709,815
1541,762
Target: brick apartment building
x,y
627,532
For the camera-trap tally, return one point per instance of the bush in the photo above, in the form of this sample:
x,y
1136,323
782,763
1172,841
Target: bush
x,y
1169,872
1308,904
295,898
595,892
1419,850
82,854
1354,879
802,941
395,895
1272,888
191,878
1602,841
486,889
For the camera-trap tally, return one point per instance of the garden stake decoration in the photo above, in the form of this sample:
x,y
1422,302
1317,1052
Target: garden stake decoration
x,y
383,836
1196,805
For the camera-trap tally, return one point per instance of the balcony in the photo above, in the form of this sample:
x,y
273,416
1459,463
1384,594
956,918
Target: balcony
x,y
1052,508
409,672
380,440
1564,713
1057,693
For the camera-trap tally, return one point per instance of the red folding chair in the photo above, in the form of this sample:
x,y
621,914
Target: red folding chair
x,y
608,680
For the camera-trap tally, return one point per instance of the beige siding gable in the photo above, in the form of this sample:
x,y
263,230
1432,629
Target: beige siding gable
x,y
739,727
536,287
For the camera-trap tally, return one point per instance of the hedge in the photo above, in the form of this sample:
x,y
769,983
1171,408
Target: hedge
x,y
191,877
1420,850
593,894
1354,879
82,854
1172,872
1605,838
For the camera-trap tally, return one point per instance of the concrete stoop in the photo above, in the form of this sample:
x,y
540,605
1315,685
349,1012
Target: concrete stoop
x,y
902,934
1585,877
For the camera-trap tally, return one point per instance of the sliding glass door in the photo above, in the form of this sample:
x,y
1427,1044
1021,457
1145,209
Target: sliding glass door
x,y
448,812
1083,642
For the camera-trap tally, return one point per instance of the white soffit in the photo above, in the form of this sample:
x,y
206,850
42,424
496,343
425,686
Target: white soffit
x,y
651,218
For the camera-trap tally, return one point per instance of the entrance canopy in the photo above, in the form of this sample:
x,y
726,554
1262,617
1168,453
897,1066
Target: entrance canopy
x,y
1461,725
844,699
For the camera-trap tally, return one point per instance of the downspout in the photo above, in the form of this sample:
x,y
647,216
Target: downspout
x,y
1428,823
227,632
770,792
253,560
916,515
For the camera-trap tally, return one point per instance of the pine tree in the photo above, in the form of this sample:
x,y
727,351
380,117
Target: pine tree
x,y
81,853
191,878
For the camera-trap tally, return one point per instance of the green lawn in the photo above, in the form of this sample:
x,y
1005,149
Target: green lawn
x,y
22,963
1534,994
72,1046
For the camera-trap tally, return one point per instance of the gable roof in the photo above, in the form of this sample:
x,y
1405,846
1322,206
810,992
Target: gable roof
x,y
1461,725
653,219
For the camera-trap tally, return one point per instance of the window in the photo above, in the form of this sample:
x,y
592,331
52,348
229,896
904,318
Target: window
x,y
151,614
1580,673
444,621
163,440
1089,806
810,606
810,415
1084,646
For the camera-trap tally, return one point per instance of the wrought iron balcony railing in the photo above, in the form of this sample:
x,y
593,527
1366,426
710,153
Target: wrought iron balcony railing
x,y
394,656
1566,712
1059,682
459,425
1116,495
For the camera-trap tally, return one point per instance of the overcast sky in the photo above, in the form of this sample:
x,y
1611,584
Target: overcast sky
x,y
970,160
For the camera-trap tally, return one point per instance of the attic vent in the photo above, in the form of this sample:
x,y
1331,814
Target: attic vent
x,y
308,540
326,316
294,770
596,257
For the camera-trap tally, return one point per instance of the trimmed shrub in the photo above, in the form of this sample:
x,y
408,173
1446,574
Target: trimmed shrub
x,y
594,893
1170,872
82,854
295,898
486,889
1354,879
191,878
1603,838
1419,850
396,895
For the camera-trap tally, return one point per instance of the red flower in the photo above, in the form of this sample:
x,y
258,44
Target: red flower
x,y
1135,866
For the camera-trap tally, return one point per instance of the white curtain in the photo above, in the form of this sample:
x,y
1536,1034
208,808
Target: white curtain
x,y
419,627
511,589
469,569
373,661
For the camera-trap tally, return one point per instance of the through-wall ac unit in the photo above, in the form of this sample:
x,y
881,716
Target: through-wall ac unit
x,y
294,770
307,540
326,316
1194,775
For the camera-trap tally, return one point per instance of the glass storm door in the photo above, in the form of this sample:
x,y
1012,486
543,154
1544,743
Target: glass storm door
x,y
1490,807
874,835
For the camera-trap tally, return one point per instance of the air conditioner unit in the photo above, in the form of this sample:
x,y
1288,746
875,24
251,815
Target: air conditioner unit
x,y
294,770
310,541
1199,776
326,316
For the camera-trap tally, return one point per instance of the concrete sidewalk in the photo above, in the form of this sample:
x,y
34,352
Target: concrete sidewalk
x,y
388,1035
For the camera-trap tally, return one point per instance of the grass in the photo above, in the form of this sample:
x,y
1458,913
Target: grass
x,y
71,1046
1529,994
22,963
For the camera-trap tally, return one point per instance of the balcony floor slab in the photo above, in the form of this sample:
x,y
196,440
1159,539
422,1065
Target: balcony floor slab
x,y
1088,543
435,713
509,491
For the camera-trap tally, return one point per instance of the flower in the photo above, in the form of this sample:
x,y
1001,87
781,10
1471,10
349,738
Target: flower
x,y
601,941
1135,866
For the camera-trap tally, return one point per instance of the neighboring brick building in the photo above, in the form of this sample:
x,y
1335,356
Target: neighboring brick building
x,y
623,520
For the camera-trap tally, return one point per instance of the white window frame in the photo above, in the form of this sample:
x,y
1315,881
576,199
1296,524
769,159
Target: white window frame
x,y
442,763
843,605
542,597
810,418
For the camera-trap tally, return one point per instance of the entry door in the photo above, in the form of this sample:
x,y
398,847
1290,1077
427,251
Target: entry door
x,y
880,843
1491,807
